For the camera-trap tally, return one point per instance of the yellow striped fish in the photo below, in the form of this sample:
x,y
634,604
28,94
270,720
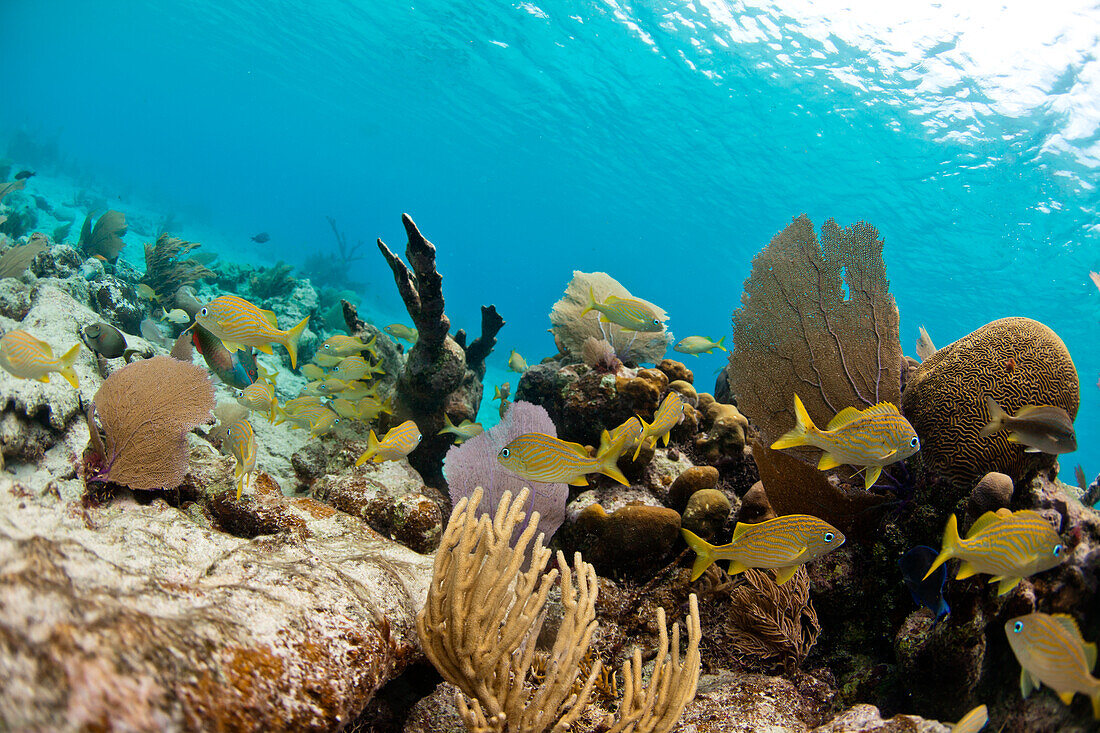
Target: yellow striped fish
x,y
698,345
668,416
630,431
1007,545
397,443
352,367
369,407
325,387
356,391
313,372
1052,652
327,360
239,323
259,397
631,314
784,544
463,431
341,345
241,442
27,357
291,407
544,458
318,419
872,438
973,721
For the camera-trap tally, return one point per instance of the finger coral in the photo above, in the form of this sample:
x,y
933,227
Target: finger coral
x,y
167,268
818,320
105,238
571,329
146,410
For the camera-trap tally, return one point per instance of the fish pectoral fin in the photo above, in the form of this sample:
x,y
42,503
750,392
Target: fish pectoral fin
x,y
1032,450
1026,683
44,378
579,481
1006,585
266,348
869,479
1066,697
827,461
885,456
965,571
782,575
736,566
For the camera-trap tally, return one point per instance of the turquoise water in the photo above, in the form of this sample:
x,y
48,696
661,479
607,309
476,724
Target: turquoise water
x,y
664,143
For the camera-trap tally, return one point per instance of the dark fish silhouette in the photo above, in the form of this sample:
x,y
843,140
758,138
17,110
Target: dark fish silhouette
x,y
928,593
235,368
104,339
261,237
23,174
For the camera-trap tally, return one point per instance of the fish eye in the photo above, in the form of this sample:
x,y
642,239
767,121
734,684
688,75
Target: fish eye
x,y
1057,550
1018,626
829,536
505,452
419,438
656,322
914,443
328,346
204,312
228,432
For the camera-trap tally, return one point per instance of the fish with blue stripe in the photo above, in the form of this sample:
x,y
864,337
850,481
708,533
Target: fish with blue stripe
x,y
239,323
871,438
668,416
973,721
341,345
1008,545
397,443
241,442
629,313
1052,652
549,460
24,356
784,544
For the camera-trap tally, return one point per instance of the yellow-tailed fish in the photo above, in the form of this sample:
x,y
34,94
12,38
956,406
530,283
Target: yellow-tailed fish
x,y
351,367
370,408
27,357
345,408
696,345
239,323
325,387
668,416
1007,545
241,443
1052,652
290,408
783,544
1042,428
326,360
517,363
463,431
176,315
259,397
401,331
973,721
543,458
313,372
872,438
318,419
397,443
630,314
501,391
630,431
356,391
147,293
503,408
341,345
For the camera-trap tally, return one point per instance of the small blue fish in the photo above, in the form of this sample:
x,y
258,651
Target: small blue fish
x,y
928,592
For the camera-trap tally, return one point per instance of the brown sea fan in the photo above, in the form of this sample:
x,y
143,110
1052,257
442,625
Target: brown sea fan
x,y
105,238
146,410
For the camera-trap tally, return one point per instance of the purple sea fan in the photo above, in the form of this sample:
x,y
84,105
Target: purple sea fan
x,y
600,355
474,463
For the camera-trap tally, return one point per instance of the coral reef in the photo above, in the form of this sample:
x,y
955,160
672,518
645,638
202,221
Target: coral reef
x,y
272,282
168,268
571,330
442,374
818,321
1017,362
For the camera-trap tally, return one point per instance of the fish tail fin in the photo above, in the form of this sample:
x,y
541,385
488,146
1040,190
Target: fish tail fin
x,y
591,304
67,360
996,418
608,458
372,448
704,553
387,405
720,342
292,337
641,440
802,427
950,544
448,426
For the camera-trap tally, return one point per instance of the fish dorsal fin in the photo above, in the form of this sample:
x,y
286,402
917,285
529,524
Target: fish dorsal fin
x,y
612,299
577,448
1069,623
882,408
269,316
1006,513
845,416
740,530
984,522
1025,411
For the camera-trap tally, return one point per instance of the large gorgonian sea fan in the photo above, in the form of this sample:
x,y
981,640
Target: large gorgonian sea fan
x,y
817,320
146,409
474,464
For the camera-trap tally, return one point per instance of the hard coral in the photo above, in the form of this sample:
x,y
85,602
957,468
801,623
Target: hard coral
x,y
146,410
818,320
1015,361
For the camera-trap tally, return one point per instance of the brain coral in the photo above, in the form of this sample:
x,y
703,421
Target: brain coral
x,y
1016,361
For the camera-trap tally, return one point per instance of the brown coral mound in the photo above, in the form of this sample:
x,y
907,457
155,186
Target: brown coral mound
x,y
571,329
105,239
817,320
1017,362
146,410
167,267
752,623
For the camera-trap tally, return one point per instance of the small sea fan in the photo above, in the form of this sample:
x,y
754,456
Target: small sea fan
x,y
146,409
474,463
600,355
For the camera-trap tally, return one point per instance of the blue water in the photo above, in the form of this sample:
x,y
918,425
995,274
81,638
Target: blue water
x,y
664,143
